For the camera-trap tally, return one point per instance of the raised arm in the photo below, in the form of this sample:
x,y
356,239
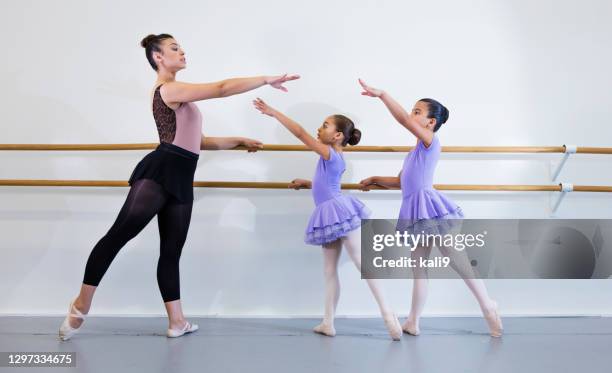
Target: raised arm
x,y
398,112
176,92
294,127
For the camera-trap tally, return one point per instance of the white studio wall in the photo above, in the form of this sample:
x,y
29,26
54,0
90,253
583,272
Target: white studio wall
x,y
512,73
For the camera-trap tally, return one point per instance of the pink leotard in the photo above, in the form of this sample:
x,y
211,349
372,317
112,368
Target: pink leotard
x,y
181,127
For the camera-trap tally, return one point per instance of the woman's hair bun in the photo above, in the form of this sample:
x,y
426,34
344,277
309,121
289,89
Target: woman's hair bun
x,y
147,40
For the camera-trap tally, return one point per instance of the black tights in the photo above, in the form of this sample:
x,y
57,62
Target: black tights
x,y
145,200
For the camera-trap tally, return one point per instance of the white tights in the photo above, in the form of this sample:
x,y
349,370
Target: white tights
x,y
460,263
331,254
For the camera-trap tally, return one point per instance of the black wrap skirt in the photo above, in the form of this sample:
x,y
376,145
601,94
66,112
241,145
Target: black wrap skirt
x,y
170,166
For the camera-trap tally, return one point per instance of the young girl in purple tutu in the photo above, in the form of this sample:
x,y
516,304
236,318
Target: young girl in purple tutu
x,y
336,220
424,209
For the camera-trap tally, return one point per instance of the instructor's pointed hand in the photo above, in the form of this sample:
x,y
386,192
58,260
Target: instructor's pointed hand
x,y
277,81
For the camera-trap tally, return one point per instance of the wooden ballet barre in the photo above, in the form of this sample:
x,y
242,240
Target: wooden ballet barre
x,y
289,148
78,147
282,185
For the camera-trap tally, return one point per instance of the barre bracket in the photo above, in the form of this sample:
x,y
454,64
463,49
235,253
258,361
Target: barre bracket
x,y
565,188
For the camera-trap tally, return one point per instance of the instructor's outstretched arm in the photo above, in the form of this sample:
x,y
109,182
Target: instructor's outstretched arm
x,y
175,92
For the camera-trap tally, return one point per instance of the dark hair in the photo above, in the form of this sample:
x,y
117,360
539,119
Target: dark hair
x,y
151,44
351,134
436,110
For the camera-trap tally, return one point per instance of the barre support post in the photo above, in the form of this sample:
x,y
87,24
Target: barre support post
x,y
569,149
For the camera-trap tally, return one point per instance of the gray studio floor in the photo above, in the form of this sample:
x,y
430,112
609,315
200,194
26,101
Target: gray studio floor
x,y
565,344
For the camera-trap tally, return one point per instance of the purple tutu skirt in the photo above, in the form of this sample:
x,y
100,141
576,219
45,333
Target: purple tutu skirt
x,y
430,212
334,219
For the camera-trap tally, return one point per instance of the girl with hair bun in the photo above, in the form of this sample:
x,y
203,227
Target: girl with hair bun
x,y
162,183
424,209
336,220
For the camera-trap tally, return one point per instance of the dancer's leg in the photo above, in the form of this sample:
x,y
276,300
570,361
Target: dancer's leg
x,y
144,200
173,222
459,261
331,255
352,243
420,284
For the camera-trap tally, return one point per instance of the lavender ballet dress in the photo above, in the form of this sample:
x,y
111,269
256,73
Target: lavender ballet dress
x,y
424,209
335,214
